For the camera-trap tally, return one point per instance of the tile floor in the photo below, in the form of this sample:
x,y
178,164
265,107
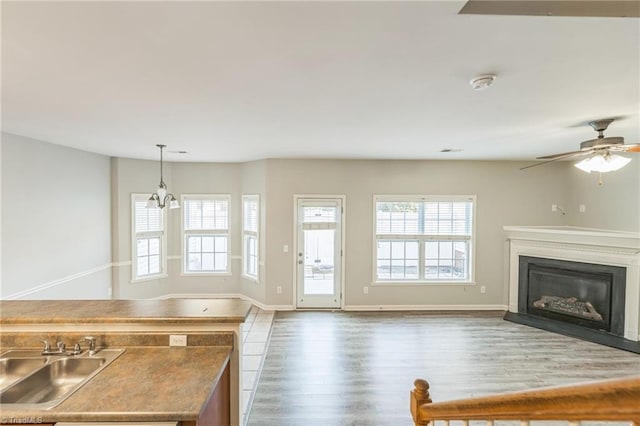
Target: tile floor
x,y
257,330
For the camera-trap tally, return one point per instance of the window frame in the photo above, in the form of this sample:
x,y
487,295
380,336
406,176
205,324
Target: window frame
x,y
185,233
135,236
248,234
422,280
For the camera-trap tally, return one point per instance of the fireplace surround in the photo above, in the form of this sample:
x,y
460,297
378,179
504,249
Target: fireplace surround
x,y
580,282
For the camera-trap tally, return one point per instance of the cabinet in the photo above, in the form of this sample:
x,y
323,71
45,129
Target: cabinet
x,y
116,424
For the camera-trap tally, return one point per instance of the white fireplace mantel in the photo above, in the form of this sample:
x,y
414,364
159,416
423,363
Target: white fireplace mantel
x,y
588,245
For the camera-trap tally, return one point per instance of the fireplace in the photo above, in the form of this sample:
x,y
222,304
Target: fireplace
x,y
584,295
578,282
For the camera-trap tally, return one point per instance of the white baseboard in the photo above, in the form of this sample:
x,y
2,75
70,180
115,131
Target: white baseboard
x,y
268,307
425,308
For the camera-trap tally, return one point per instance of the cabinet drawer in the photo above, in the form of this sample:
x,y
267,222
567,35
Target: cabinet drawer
x,y
117,424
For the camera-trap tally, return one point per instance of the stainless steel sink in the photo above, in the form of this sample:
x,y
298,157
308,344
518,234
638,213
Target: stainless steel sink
x,y
54,379
14,369
23,353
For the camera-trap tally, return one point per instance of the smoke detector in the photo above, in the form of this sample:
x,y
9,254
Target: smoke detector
x,y
482,81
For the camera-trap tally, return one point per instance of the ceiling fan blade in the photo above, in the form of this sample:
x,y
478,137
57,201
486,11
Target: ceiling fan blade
x,y
599,8
601,146
556,158
633,147
536,164
563,155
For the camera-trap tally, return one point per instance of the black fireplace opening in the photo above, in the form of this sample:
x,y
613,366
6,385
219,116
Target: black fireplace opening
x,y
579,299
581,294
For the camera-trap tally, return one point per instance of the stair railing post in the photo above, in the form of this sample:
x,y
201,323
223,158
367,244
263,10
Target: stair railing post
x,y
419,395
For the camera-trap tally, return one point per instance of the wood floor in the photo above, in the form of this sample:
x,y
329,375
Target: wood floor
x,y
347,368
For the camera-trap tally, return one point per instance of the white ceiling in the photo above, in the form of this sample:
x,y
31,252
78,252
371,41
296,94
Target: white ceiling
x,y
239,81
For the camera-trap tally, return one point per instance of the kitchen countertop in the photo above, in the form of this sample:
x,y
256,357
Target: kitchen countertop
x,y
171,311
177,383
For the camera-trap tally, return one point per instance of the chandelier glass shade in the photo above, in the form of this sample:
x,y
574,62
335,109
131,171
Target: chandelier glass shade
x,y
603,163
162,197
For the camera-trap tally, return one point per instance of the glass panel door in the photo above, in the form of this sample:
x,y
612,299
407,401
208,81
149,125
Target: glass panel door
x,y
319,253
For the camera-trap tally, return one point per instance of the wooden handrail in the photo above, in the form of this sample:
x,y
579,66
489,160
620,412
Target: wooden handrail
x,y
611,400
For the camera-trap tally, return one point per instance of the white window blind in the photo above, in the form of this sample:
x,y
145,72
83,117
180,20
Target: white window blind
x,y
211,214
424,238
147,220
438,218
319,214
250,213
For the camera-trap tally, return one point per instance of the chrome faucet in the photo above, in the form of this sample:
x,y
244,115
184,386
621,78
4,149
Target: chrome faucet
x,y
46,348
92,344
62,349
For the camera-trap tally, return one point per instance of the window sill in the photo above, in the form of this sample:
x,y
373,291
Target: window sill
x,y
421,283
205,274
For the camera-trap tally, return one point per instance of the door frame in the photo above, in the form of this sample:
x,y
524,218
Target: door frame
x,y
294,257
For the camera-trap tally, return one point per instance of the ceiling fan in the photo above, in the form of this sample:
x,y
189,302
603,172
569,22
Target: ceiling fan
x,y
587,8
601,151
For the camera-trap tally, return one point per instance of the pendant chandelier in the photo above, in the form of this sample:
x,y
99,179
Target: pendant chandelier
x,y
161,197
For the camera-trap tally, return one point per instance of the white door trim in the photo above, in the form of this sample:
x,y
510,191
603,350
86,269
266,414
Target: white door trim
x,y
294,257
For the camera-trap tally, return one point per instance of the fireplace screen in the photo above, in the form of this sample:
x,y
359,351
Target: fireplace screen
x,y
586,295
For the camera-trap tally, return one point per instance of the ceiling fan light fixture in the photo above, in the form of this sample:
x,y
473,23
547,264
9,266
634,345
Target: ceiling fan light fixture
x,y
603,163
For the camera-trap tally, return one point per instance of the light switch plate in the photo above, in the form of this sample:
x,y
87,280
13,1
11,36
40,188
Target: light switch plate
x,y
177,340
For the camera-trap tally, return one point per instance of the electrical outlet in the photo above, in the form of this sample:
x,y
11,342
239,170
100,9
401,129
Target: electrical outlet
x,y
483,289
582,208
554,207
365,289
285,248
177,340
279,289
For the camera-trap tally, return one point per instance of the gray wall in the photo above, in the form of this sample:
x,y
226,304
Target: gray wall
x,y
73,233
138,176
505,196
56,238
129,177
207,178
613,205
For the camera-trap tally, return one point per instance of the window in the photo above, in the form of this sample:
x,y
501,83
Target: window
x,y
206,233
149,244
250,221
424,238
